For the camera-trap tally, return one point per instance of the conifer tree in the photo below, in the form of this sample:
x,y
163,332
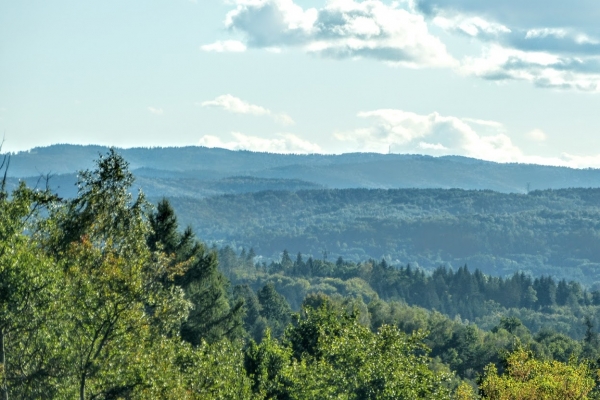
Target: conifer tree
x,y
211,317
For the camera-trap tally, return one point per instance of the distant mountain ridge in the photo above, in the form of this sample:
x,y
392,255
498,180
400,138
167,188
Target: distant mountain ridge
x,y
208,171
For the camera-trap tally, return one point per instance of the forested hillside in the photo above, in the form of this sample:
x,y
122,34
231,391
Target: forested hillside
x,y
553,232
105,296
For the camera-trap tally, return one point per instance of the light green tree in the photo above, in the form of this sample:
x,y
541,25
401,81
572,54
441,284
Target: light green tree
x,y
526,378
327,354
28,289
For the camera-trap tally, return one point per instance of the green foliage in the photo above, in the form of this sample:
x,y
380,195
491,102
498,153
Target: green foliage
x,y
29,283
90,310
464,294
270,367
214,371
115,303
254,323
274,308
529,379
455,341
326,354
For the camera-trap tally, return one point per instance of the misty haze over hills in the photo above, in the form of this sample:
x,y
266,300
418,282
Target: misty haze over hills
x,y
200,172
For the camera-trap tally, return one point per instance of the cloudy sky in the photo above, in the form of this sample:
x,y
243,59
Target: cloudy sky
x,y
508,81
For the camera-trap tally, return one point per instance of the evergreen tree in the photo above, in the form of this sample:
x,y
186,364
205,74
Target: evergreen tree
x,y
286,261
211,316
250,257
254,323
545,287
562,293
275,308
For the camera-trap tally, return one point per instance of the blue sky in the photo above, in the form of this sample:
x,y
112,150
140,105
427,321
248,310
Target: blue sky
x,y
510,81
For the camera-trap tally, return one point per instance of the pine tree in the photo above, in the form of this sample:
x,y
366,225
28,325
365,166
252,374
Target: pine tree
x,y
211,317
275,308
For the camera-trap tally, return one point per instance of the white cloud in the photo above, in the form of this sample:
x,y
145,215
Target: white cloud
x,y
433,134
537,135
522,14
285,143
342,29
582,161
225,46
283,119
236,105
523,41
517,42
437,135
470,26
155,110
486,123
406,132
545,32
544,69
565,41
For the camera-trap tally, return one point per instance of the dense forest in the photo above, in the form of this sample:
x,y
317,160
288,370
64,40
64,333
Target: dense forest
x,y
552,232
105,296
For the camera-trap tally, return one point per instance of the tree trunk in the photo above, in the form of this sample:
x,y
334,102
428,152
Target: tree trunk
x,y
82,387
3,361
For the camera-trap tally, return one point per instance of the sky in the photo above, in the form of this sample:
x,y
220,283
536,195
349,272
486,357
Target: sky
x,y
506,81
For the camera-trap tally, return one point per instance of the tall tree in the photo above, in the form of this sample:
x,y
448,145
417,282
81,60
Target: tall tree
x,y
275,308
254,323
114,293
212,317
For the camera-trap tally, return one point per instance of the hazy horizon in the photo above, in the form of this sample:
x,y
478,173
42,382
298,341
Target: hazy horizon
x,y
505,82
28,150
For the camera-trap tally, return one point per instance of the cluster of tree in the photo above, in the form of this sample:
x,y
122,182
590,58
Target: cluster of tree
x,y
473,296
328,352
97,293
559,326
103,297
